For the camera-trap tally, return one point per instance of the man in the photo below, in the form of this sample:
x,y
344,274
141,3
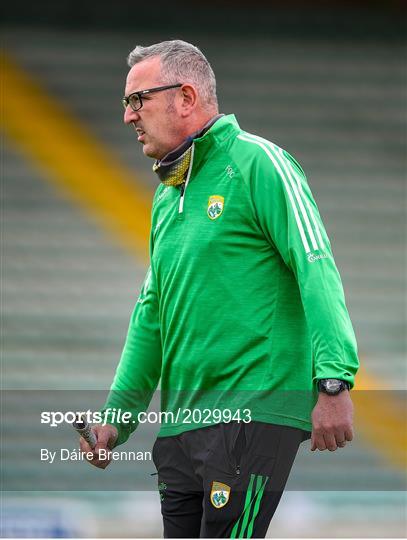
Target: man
x,y
241,316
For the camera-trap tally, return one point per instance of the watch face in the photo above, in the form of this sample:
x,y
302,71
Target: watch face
x,y
332,385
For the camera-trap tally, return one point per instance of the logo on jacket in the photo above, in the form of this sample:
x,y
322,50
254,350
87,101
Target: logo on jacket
x,y
312,257
215,206
219,494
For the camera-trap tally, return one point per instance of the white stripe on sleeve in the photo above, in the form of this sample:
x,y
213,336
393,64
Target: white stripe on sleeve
x,y
260,142
283,162
310,210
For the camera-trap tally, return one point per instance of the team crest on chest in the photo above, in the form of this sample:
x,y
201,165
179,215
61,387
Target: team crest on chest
x,y
215,206
219,494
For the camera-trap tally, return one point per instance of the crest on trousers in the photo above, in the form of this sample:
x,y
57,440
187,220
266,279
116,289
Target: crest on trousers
x,y
219,494
215,206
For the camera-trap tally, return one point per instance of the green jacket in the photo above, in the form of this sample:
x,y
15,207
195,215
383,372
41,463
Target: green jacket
x,y
243,306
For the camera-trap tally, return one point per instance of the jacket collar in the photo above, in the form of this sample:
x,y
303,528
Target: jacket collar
x,y
219,132
222,131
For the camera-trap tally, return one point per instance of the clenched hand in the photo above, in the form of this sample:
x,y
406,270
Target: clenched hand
x,y
332,421
106,436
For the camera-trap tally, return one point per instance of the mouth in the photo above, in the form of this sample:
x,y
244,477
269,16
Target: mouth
x,y
140,134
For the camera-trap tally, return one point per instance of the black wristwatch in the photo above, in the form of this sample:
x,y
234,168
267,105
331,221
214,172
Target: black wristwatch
x,y
332,387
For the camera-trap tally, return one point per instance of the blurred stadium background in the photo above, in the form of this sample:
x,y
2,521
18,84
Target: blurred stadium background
x,y
326,83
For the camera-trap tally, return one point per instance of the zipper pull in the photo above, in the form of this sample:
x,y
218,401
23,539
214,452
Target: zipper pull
x,y
238,470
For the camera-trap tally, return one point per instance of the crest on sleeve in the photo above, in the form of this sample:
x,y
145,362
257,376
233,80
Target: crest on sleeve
x,y
215,206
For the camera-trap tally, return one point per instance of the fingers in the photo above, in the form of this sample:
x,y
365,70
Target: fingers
x,y
313,443
105,439
84,445
329,440
323,441
349,434
317,440
100,458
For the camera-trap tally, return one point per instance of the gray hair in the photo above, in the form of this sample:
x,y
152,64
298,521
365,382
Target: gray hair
x,y
180,62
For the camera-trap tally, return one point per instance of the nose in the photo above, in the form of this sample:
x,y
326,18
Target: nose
x,y
130,115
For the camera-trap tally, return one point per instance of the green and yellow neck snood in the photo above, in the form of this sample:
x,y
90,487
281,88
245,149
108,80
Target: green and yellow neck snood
x,y
172,170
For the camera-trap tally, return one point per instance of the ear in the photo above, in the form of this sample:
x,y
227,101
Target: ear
x,y
189,99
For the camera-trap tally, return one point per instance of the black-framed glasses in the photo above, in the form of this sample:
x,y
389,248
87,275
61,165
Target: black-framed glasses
x,y
135,99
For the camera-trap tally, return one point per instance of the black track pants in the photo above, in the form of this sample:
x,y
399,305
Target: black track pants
x,y
226,480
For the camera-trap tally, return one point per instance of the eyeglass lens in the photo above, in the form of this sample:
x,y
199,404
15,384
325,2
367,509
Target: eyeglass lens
x,y
135,102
